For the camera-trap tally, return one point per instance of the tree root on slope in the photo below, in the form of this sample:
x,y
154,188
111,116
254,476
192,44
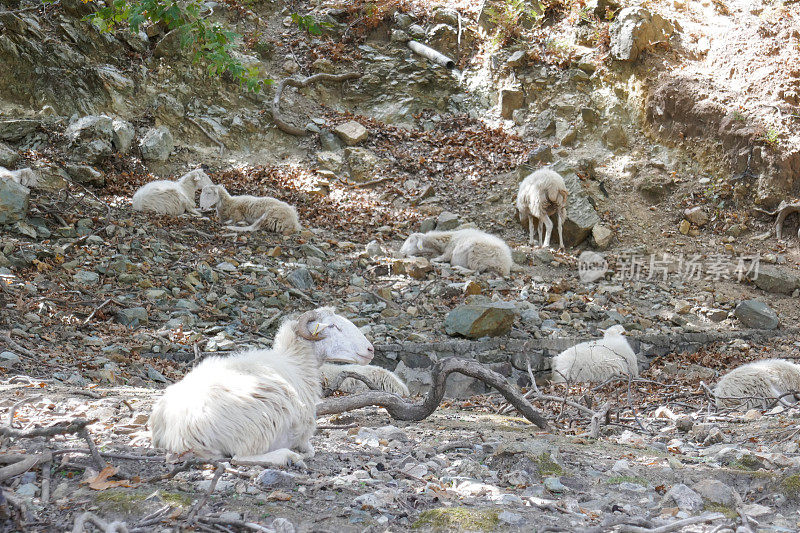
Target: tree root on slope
x,y
294,82
402,410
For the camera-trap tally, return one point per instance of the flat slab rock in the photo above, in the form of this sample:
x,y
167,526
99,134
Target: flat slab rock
x,y
481,320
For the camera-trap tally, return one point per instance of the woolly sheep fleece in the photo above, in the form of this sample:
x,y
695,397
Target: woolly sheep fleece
x,y
260,401
540,195
597,360
278,216
757,384
385,380
171,197
468,248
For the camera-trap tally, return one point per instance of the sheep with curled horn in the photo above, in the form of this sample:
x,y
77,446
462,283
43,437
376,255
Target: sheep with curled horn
x,y
258,406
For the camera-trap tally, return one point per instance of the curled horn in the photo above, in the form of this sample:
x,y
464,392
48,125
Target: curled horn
x,y
302,326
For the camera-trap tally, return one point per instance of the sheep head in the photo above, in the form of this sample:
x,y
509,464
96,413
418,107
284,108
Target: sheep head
x,y
614,330
417,244
335,338
198,178
210,196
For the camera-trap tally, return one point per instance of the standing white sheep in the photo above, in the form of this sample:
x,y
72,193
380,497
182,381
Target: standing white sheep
x,y
258,211
468,248
171,197
758,384
258,406
541,195
597,360
384,379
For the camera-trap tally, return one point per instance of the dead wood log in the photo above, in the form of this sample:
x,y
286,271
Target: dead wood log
x,y
333,385
294,82
402,410
61,428
21,463
784,210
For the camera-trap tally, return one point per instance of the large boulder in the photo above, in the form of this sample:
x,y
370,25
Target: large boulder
x,y
481,320
756,315
123,134
157,144
14,129
634,29
91,137
776,280
14,201
8,157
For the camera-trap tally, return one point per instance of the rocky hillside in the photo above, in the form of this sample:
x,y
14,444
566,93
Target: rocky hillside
x,y
673,124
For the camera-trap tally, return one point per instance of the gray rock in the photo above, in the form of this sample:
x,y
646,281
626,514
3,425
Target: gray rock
x,y
154,374
634,29
132,317
427,224
309,250
301,279
85,277
590,116
553,484
543,126
541,154
447,221
374,249
602,236
444,38
517,59
581,216
362,162
14,129
276,479
27,490
481,320
776,280
122,135
14,201
510,98
696,215
85,174
351,132
716,492
332,161
157,144
8,157
90,128
8,359
615,137
684,497
755,314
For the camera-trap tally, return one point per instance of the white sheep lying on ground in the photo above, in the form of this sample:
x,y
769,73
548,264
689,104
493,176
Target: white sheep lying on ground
x,y
384,379
26,177
257,406
258,211
597,360
171,197
758,384
541,195
468,248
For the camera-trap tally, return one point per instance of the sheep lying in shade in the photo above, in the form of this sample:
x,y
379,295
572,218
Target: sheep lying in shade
x,y
26,177
758,384
541,195
597,360
171,197
258,211
258,406
468,248
383,379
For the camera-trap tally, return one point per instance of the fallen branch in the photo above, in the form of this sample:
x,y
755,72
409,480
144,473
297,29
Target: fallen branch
x,y
293,82
21,463
784,210
106,527
674,526
15,345
61,428
333,386
199,505
400,409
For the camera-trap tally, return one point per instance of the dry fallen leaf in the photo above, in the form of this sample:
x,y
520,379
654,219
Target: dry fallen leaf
x,y
101,481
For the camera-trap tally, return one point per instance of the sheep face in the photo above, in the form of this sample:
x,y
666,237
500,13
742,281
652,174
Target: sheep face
x,y
199,178
416,244
209,197
339,339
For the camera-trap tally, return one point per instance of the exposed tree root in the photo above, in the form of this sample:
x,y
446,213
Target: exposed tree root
x,y
402,410
784,210
293,82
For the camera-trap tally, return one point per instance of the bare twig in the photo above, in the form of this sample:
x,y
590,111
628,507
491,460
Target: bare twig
x,y
402,410
61,428
19,404
199,505
106,527
99,462
96,309
15,345
45,496
293,82
674,526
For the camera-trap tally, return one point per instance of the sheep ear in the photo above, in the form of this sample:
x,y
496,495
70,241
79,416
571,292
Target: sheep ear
x,y
420,245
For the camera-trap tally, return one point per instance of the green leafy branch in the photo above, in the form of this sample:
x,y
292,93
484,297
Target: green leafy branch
x,y
209,41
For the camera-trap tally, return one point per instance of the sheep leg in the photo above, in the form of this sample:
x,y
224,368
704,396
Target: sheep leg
x,y
540,233
549,231
193,211
560,230
281,457
306,449
531,230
